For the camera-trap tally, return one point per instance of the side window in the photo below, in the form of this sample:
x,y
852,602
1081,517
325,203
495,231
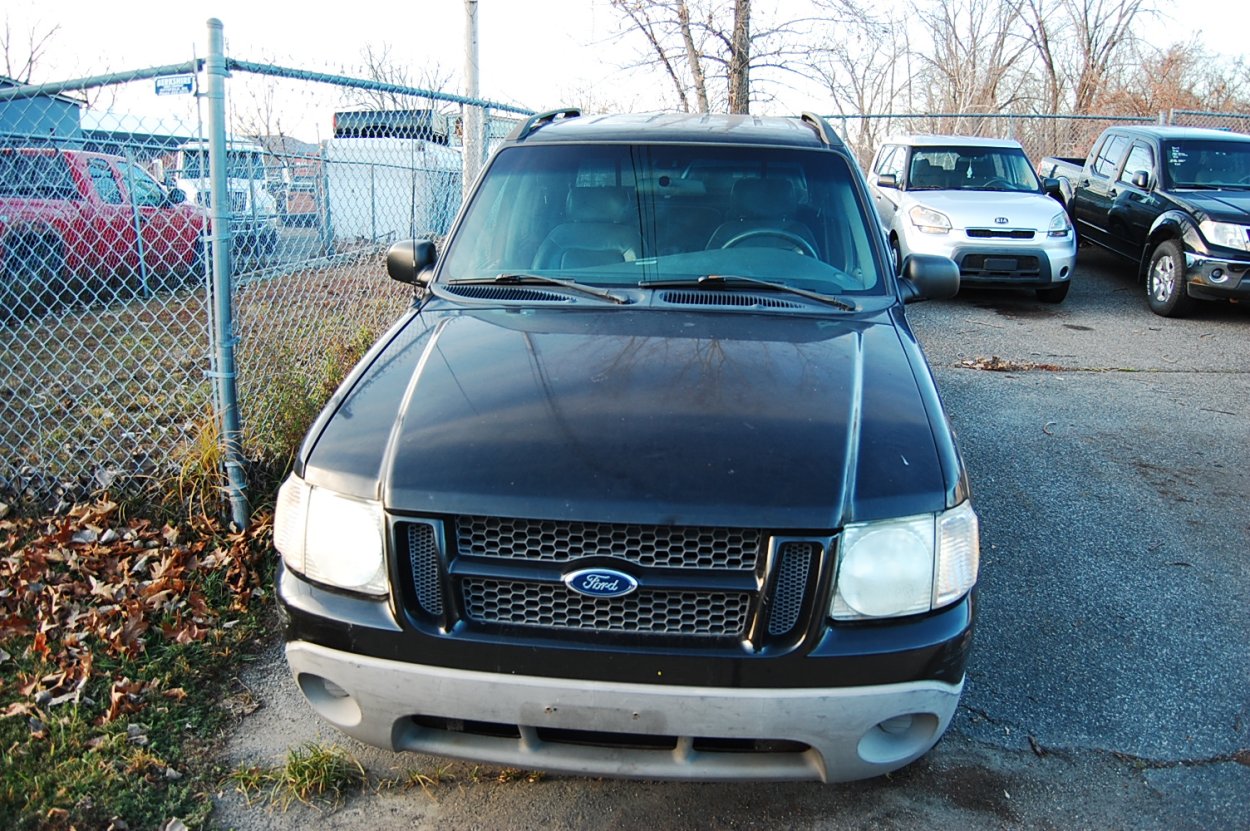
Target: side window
x,y
1140,157
144,188
894,164
885,160
105,182
1109,155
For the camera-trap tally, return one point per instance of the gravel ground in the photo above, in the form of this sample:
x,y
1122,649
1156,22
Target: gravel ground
x,y
1108,683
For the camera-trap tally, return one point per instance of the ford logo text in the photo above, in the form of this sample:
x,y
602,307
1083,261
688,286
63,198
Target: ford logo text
x,y
600,582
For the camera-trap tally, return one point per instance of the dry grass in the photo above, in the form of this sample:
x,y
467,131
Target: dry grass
x,y
119,398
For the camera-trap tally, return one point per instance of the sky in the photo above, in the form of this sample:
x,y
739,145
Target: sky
x,y
537,54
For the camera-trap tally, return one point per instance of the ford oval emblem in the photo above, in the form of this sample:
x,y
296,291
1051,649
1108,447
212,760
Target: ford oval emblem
x,y
600,582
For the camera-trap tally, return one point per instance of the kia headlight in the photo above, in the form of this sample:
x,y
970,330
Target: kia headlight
x,y
907,566
1226,234
929,221
1060,225
331,538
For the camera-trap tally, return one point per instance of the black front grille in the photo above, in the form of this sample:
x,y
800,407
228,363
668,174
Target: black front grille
x,y
554,606
1001,233
650,546
999,265
498,573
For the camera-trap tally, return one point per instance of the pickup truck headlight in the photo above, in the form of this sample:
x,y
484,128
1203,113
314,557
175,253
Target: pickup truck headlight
x,y
1060,225
906,566
929,221
331,538
1226,234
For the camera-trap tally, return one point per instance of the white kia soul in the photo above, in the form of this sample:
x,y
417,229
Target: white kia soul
x,y
979,202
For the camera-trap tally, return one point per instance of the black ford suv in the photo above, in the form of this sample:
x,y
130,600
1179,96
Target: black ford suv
x,y
651,480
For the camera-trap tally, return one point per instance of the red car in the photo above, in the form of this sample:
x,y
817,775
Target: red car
x,y
71,221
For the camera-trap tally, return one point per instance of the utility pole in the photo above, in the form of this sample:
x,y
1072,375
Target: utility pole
x,y
471,122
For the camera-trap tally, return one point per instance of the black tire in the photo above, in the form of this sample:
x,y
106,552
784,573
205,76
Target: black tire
x,y
1165,281
896,254
32,277
1055,293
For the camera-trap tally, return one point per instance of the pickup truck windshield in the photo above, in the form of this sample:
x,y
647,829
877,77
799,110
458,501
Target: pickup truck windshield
x,y
617,215
1207,163
971,168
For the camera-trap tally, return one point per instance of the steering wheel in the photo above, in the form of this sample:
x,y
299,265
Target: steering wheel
x,y
800,245
997,180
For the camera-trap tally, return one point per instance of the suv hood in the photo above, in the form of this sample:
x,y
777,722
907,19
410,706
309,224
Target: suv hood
x,y
981,208
642,416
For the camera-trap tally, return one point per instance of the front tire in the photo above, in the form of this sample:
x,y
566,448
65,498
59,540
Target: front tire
x,y
1165,281
32,281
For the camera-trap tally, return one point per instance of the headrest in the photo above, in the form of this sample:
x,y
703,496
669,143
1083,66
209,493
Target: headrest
x,y
764,197
597,205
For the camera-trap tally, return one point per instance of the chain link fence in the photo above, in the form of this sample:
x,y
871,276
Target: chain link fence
x,y
110,323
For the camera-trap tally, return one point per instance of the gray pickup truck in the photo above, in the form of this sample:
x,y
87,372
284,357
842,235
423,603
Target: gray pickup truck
x,y
1175,201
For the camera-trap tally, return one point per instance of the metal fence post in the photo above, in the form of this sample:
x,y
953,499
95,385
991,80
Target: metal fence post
x,y
223,247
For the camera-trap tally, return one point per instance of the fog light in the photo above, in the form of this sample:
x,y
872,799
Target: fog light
x,y
899,739
1218,275
331,701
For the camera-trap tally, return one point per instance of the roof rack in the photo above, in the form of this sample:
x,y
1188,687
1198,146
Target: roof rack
x,y
822,128
541,120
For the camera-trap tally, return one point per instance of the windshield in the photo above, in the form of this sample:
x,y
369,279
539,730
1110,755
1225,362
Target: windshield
x,y
240,164
971,168
1208,163
621,214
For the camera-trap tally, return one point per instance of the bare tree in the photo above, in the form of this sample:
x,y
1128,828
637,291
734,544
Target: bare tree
x,y
701,45
23,52
863,60
977,58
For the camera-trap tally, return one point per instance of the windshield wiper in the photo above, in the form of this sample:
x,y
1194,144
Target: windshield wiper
x,y
540,279
721,280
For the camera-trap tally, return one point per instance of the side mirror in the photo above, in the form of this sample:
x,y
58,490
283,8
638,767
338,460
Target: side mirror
x,y
1141,179
887,180
928,277
176,196
1052,187
411,261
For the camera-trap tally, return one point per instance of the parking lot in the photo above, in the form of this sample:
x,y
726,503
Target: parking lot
x,y
1109,451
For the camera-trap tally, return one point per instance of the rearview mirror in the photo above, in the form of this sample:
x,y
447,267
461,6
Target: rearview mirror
x,y
411,261
887,180
1141,179
928,277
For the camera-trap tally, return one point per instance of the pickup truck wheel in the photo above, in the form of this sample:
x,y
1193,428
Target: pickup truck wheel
x,y
33,278
1165,281
1054,294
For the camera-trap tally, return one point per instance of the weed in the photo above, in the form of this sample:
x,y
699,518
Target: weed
x,y
312,773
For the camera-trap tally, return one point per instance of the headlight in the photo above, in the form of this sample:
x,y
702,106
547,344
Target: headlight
x,y
929,220
1226,234
331,538
1060,225
906,566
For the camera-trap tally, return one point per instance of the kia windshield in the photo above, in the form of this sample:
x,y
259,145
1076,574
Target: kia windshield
x,y
971,168
628,215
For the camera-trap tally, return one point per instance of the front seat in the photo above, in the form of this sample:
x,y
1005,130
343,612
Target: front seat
x,y
595,231
763,211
